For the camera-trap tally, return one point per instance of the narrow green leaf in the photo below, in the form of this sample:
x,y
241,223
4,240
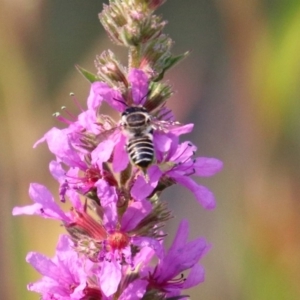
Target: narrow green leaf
x,y
87,75
170,62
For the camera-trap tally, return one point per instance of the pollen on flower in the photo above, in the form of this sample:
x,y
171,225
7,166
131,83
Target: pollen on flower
x,y
118,240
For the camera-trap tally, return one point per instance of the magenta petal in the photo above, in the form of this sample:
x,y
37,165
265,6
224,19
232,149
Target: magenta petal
x,y
149,242
139,86
102,153
59,144
108,198
182,234
43,265
100,92
205,166
44,206
40,194
203,195
74,199
110,277
143,187
41,140
120,157
183,153
135,290
106,193
182,129
135,213
162,142
196,276
57,170
87,119
45,285
34,209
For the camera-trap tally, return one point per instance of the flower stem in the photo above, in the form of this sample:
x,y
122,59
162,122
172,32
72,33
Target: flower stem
x,y
134,56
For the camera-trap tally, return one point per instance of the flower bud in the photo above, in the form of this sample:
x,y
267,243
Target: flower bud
x,y
159,93
110,70
131,23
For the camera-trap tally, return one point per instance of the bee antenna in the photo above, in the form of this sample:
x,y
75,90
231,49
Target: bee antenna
x,y
121,101
148,93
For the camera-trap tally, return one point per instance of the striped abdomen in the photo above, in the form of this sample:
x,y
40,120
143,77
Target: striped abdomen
x,y
140,150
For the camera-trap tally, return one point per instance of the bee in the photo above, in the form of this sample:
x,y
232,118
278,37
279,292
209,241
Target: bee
x,y
136,124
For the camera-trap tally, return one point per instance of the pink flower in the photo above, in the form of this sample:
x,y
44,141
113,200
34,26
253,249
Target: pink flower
x,y
100,92
64,276
177,165
116,250
182,255
44,205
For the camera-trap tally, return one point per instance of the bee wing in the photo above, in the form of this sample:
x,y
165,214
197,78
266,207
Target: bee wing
x,y
164,126
108,133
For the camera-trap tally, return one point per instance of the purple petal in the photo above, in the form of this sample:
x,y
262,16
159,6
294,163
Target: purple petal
x,y
196,276
40,194
44,286
181,256
108,198
143,187
57,170
149,242
139,86
181,236
74,198
203,195
179,130
41,140
135,290
100,92
162,142
183,153
59,144
43,265
88,120
135,213
120,157
102,153
110,277
44,206
144,256
205,166
34,209
64,244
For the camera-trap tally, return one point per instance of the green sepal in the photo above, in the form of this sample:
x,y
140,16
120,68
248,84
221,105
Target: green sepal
x,y
87,75
170,62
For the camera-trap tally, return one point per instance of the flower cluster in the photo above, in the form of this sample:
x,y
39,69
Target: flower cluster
x,y
113,172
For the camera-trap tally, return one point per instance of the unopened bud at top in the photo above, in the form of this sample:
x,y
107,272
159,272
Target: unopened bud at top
x,y
130,22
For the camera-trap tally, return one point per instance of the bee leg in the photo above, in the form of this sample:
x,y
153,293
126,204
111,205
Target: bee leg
x,y
146,176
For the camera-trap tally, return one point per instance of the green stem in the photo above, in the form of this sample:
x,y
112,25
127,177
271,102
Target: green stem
x,y
134,56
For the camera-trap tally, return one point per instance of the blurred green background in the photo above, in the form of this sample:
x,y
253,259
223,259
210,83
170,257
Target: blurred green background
x,y
240,87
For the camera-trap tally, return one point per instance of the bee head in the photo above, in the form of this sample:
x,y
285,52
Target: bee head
x,y
134,109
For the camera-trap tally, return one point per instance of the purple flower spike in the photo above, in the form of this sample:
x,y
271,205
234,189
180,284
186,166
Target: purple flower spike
x,y
111,171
